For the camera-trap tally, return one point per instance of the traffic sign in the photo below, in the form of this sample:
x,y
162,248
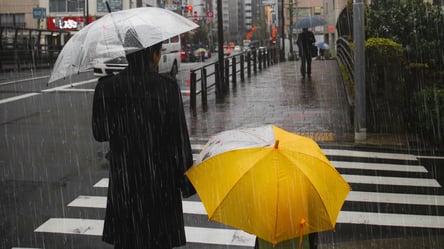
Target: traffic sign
x,y
210,14
38,13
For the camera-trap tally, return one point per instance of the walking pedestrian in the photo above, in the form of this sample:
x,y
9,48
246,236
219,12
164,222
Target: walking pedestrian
x,y
305,42
141,115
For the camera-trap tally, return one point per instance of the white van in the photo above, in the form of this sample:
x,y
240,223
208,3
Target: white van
x,y
169,63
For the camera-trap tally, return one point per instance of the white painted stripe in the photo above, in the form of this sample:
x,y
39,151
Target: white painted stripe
x,y
89,201
103,183
31,80
197,146
196,207
385,219
377,180
217,236
431,157
24,248
72,226
60,88
193,207
385,180
411,199
93,227
189,207
379,166
75,90
24,96
368,154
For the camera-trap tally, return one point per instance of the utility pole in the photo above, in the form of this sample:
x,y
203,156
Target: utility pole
x,y
220,89
282,28
359,65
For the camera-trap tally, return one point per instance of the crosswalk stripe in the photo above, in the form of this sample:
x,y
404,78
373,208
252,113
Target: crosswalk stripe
x,y
352,153
196,207
23,248
396,181
93,227
412,199
385,219
358,179
369,154
379,166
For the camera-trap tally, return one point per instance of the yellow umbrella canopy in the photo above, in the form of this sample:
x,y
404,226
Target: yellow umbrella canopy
x,y
268,182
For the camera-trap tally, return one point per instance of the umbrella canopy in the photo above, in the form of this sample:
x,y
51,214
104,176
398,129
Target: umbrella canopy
x,y
322,45
268,182
117,34
199,50
309,21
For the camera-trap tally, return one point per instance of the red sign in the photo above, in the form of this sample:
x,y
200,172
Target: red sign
x,y
66,22
210,14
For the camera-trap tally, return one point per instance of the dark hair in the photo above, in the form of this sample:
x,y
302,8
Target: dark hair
x,y
144,56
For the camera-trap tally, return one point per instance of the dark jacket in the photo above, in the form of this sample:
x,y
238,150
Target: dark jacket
x,y
141,115
304,42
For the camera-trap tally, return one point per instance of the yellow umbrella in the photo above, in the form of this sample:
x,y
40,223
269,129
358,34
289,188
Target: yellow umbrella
x,y
268,182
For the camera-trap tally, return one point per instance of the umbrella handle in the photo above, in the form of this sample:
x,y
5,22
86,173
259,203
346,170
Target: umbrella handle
x,y
108,7
301,227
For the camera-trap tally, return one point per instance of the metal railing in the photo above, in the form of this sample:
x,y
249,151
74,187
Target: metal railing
x,y
345,55
234,65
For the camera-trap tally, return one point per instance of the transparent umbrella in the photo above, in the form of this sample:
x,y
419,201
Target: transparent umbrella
x,y
309,21
115,35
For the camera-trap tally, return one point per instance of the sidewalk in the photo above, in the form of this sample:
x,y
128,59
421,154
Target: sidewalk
x,y
315,107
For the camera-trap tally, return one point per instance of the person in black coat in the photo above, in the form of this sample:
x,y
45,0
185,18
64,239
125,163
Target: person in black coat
x,y
305,41
141,115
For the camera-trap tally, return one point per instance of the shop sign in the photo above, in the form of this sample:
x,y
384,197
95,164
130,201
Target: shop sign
x,y
66,23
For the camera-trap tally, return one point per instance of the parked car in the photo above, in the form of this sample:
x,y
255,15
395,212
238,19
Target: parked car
x,y
169,63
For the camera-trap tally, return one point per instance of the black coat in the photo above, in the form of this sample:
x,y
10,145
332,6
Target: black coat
x,y
305,41
141,114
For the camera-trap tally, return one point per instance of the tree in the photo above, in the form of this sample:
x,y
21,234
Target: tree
x,y
416,25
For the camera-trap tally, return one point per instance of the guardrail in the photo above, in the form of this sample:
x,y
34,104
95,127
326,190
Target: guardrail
x,y
345,55
234,65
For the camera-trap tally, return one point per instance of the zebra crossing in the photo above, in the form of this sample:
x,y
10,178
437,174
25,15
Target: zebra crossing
x,y
388,190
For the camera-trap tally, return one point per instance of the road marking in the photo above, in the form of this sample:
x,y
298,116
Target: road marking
x,y
385,219
354,153
64,87
369,154
76,90
23,80
24,96
379,166
24,248
54,89
397,181
94,227
196,207
377,180
412,199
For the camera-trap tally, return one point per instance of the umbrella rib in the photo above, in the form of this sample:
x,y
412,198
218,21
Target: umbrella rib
x,y
316,190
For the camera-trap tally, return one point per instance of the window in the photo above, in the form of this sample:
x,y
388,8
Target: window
x,y
12,20
66,5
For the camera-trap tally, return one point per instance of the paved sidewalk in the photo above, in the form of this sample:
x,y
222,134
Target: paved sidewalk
x,y
314,107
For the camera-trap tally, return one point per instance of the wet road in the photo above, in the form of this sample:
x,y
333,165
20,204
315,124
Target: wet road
x,y
53,176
